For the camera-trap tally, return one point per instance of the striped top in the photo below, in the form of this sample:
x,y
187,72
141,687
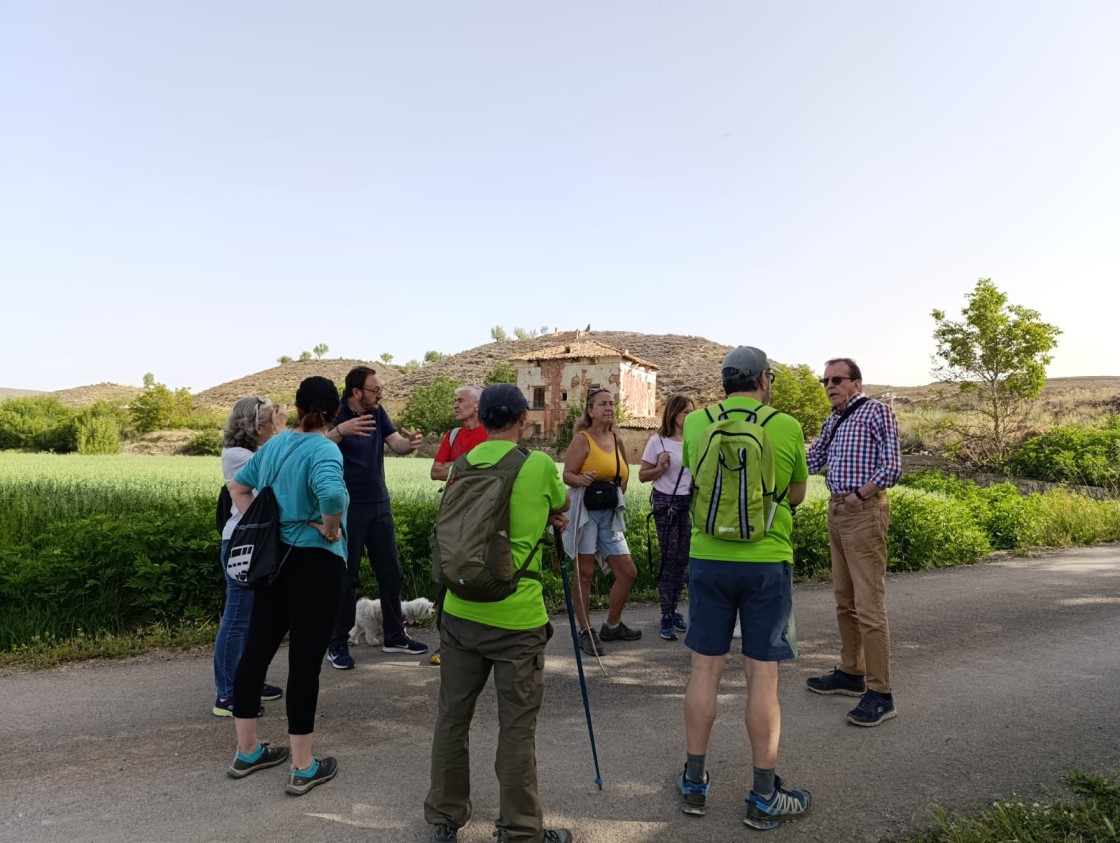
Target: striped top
x,y
864,449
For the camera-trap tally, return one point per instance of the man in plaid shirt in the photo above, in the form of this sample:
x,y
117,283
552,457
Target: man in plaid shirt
x,y
859,447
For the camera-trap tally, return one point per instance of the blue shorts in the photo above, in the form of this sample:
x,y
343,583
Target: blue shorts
x,y
759,593
598,535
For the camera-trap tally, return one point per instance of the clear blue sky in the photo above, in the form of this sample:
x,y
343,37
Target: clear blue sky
x,y
195,188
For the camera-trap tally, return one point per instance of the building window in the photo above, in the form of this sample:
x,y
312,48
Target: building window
x,y
538,397
564,396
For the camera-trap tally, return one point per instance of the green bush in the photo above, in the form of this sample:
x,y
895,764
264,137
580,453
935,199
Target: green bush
x,y
208,443
39,423
1060,518
1080,455
811,554
98,435
430,409
930,530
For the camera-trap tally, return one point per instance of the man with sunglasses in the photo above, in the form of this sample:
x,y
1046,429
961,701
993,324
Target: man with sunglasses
x,y
362,430
859,448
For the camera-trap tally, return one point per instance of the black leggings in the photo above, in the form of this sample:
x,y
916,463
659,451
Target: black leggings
x,y
302,601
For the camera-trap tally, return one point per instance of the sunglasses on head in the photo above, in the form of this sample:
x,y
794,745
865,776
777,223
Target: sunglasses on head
x,y
835,380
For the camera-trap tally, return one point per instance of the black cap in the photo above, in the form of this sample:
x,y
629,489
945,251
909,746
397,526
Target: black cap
x,y
318,393
502,395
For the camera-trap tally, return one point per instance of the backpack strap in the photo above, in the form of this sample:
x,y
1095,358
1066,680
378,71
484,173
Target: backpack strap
x,y
451,437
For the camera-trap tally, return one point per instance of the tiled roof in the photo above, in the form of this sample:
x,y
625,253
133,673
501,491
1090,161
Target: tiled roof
x,y
641,424
581,350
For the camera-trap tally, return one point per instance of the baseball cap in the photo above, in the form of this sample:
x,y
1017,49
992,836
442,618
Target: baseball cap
x,y
505,395
745,361
318,393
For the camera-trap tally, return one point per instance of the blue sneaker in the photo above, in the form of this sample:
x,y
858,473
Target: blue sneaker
x,y
679,623
873,709
694,795
404,644
782,805
271,692
339,656
667,631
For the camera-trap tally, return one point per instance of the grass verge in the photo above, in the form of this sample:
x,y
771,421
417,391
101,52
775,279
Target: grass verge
x,y
48,651
1090,814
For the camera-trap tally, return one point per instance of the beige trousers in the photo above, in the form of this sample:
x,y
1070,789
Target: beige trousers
x,y
858,540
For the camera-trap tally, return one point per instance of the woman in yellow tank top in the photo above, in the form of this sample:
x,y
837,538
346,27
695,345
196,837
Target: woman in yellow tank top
x,y
596,453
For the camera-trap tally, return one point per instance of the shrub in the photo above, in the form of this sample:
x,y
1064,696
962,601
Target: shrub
x,y
811,553
797,392
430,409
501,372
98,435
1072,455
39,423
930,530
1060,518
207,443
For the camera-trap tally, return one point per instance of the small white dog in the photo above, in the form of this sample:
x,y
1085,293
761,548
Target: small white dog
x,y
367,617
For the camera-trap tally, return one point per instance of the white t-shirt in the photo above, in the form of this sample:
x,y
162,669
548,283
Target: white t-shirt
x,y
665,483
233,460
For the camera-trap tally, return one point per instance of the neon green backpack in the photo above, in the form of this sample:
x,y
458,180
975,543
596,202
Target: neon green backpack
x,y
733,484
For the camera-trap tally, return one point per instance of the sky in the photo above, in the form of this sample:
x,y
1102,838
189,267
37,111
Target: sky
x,y
194,189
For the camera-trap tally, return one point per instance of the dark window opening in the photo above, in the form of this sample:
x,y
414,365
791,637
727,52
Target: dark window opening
x,y
538,398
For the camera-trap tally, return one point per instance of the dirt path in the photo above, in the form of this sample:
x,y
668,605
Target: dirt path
x,y
1007,675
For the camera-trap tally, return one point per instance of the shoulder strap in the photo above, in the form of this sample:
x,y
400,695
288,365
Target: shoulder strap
x,y
851,408
452,436
617,463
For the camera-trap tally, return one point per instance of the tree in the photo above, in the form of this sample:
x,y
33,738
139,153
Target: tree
x,y
545,330
283,358
304,355
386,358
154,408
498,334
523,334
412,365
320,350
997,355
798,392
432,356
430,409
564,432
501,372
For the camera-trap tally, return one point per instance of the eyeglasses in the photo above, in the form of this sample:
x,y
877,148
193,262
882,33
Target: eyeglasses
x,y
835,380
376,390
773,375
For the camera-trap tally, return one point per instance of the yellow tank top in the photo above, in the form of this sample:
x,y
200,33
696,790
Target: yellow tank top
x,y
603,462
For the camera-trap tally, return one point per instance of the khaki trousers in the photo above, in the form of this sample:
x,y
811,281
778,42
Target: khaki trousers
x,y
858,540
469,651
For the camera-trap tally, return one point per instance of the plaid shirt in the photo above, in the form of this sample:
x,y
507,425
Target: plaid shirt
x,y
864,449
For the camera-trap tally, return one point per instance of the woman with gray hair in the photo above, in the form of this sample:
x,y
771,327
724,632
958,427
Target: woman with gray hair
x,y
252,422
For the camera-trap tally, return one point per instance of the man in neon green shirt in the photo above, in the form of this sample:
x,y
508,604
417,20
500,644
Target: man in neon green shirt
x,y
751,580
507,637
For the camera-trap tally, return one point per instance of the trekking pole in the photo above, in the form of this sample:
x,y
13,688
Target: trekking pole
x,y
579,583
579,657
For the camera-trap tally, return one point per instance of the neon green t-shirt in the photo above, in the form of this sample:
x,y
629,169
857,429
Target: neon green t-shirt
x,y
537,491
790,466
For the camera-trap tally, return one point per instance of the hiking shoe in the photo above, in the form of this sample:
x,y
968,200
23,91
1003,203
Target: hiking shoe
x,y
679,623
444,833
551,835
267,756
223,707
872,710
620,633
589,642
339,656
404,644
694,795
667,630
271,692
837,682
301,781
782,805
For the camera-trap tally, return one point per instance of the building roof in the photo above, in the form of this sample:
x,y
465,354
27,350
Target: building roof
x,y
582,350
641,423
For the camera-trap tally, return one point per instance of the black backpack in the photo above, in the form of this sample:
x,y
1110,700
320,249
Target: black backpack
x,y
224,510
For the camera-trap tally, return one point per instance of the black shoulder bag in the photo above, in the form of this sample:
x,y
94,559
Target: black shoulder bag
x,y
603,494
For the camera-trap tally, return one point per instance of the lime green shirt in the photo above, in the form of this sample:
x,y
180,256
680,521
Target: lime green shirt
x,y
788,442
537,491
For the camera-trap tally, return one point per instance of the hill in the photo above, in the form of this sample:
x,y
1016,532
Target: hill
x,y
6,393
81,396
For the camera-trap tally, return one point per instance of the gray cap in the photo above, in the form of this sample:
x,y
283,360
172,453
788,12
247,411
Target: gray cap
x,y
502,395
745,361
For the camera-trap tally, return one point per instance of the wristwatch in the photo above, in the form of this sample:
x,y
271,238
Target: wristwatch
x,y
858,495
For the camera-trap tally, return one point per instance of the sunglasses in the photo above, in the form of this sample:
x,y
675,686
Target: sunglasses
x,y
835,380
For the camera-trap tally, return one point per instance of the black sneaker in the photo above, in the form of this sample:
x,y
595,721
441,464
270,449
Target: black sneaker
x,y
271,692
270,756
873,709
589,642
444,833
322,770
694,795
837,682
620,633
404,644
339,656
223,707
782,805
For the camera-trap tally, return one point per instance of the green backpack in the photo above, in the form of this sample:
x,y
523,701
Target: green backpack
x,y
471,552
733,485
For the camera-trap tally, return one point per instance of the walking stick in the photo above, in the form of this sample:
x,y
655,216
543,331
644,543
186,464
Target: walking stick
x,y
579,657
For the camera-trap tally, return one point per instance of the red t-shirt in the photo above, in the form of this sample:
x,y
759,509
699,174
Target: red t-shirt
x,y
465,439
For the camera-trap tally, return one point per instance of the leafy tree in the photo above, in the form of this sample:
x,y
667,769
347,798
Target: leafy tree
x,y
304,355
411,366
283,358
498,334
433,356
501,372
386,358
997,355
320,350
798,392
564,432
523,334
154,408
545,329
38,423
99,428
430,409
